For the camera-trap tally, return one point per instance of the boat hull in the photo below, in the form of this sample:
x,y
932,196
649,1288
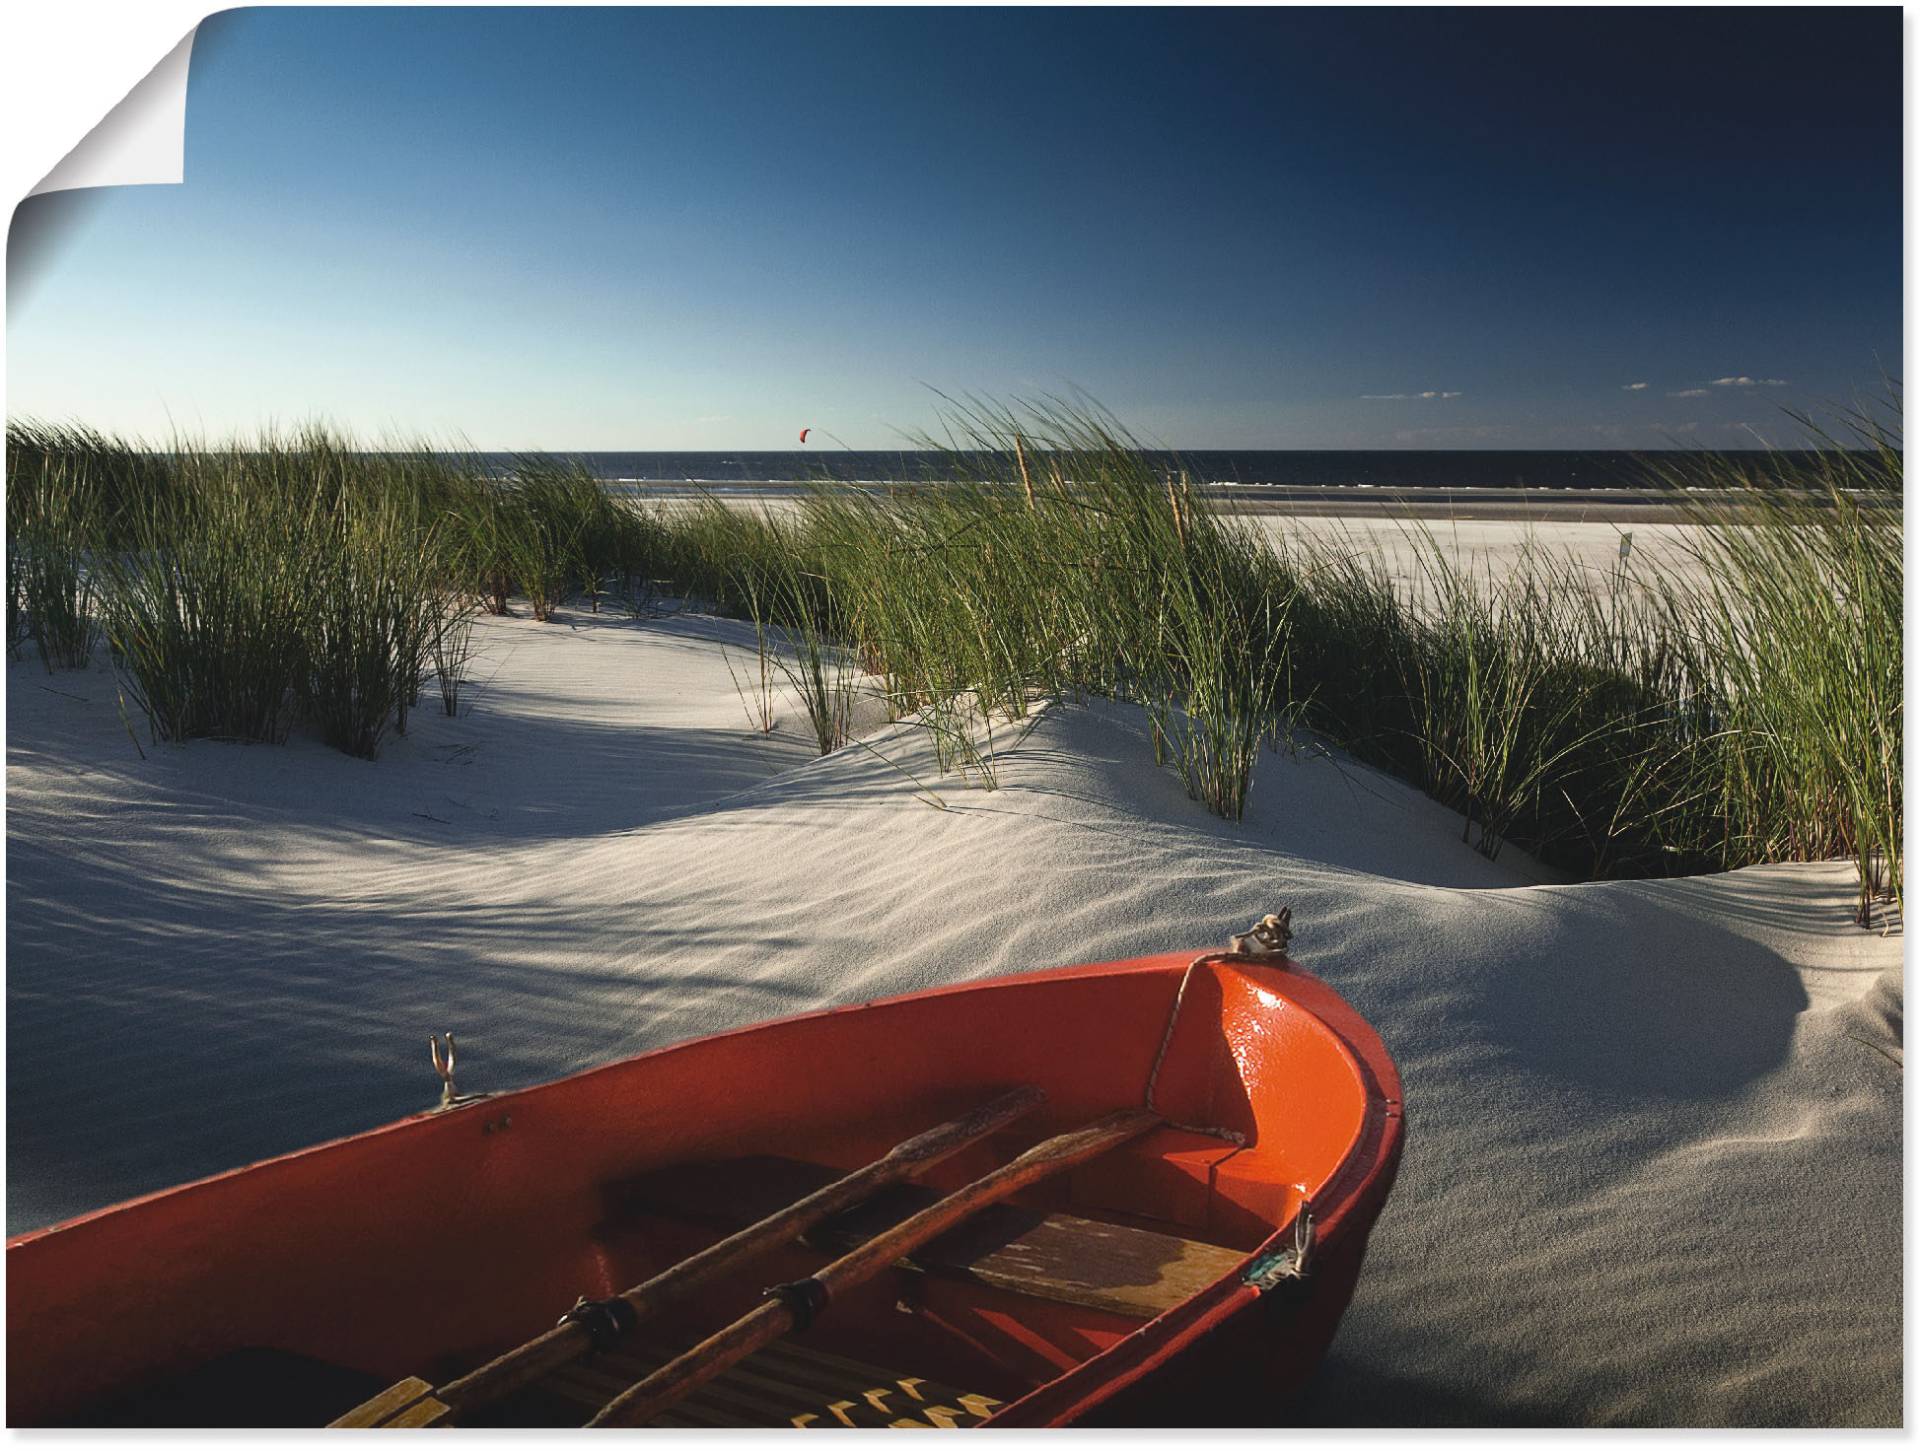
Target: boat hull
x,y
430,1244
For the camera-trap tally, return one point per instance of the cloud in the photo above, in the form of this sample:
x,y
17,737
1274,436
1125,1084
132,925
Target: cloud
x,y
1690,393
1401,397
1632,387
1743,381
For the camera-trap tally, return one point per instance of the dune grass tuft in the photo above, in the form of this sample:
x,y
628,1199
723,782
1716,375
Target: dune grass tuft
x,y
242,587
54,514
373,611
1799,630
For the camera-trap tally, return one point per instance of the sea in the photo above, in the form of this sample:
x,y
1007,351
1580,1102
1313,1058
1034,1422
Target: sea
x,y
1250,469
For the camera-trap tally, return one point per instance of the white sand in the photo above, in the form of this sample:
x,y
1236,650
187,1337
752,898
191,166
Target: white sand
x,y
1494,543
1489,548
1653,1164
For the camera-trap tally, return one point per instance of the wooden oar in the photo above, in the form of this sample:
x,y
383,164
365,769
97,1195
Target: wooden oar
x,y
795,1306
415,1402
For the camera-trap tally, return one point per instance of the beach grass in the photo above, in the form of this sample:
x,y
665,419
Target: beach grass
x,y
54,513
243,588
204,607
1646,723
372,611
452,648
1617,725
1799,629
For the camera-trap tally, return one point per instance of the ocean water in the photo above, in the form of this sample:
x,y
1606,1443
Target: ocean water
x,y
1395,469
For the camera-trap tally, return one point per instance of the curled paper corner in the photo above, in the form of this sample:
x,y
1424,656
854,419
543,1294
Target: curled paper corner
x,y
140,142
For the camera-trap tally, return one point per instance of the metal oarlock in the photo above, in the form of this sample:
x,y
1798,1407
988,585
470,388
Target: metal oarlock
x,y
1290,1263
443,1065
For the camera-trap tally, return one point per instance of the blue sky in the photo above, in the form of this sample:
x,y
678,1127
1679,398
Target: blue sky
x,y
683,229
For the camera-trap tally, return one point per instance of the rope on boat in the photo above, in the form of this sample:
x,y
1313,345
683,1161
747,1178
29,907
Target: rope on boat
x,y
1262,942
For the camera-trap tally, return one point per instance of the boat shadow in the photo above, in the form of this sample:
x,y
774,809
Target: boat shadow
x,y
161,1029
1346,1392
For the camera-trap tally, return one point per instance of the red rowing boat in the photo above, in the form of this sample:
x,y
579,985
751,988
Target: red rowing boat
x,y
1125,1193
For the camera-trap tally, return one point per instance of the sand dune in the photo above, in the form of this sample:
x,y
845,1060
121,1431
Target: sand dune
x,y
1653,1165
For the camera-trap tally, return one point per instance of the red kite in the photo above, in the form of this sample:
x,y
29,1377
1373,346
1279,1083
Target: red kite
x,y
803,434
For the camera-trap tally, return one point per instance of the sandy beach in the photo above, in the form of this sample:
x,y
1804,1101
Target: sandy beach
x,y
1654,1143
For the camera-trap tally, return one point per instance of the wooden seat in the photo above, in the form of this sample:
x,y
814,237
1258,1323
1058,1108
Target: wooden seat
x,y
1138,1273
